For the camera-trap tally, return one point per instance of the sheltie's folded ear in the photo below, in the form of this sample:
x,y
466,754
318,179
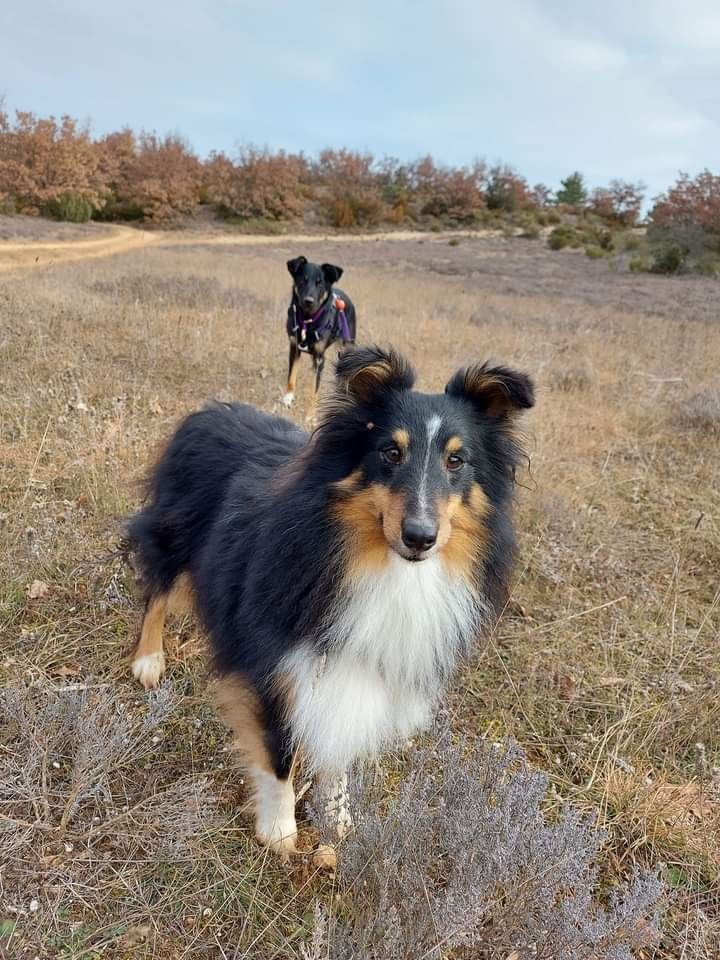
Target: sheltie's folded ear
x,y
366,372
495,391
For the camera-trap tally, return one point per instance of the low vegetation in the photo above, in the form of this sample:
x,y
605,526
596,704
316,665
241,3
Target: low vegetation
x,y
124,830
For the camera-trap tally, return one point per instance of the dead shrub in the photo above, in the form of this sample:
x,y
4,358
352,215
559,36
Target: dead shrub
x,y
182,290
571,379
80,815
701,411
463,858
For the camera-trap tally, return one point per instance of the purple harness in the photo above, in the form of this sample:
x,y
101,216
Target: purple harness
x,y
327,319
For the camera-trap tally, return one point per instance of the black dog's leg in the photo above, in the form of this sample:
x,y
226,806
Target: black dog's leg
x,y
293,361
318,366
318,359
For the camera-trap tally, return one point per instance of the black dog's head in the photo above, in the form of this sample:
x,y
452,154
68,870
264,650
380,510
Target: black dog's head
x,y
312,282
424,473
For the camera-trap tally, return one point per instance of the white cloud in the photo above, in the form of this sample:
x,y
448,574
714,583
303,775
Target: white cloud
x,y
595,57
613,89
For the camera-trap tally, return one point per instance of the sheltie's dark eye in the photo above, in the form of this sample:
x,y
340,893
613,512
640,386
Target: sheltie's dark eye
x,y
454,462
392,455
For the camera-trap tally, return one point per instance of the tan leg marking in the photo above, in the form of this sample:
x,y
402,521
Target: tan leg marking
x,y
148,664
273,799
292,376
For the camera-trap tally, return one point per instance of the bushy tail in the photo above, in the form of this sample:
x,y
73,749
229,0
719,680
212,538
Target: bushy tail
x,y
185,492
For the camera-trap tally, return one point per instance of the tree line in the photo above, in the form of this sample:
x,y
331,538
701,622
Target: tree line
x,y
57,167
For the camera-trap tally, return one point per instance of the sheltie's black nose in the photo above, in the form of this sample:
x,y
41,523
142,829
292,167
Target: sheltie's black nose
x,y
419,534
308,301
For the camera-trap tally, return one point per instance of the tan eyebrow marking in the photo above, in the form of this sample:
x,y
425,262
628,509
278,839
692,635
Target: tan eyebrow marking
x,y
401,438
453,445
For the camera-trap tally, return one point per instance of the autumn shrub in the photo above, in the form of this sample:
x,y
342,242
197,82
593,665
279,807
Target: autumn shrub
x,y
347,189
506,190
258,184
695,201
684,230
44,160
619,203
450,196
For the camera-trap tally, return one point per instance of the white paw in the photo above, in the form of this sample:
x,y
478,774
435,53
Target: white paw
x,y
325,857
149,669
281,837
288,399
275,825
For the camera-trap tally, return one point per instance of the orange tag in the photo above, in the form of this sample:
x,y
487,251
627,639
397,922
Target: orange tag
x,y
340,304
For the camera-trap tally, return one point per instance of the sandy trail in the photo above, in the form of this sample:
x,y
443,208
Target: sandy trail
x,y
119,239
32,253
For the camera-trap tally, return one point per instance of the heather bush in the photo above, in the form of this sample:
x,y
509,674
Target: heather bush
x,y
563,236
701,411
669,258
530,229
639,264
86,808
463,858
707,264
594,252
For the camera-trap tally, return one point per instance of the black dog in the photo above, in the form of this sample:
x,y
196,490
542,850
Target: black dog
x,y
318,315
343,576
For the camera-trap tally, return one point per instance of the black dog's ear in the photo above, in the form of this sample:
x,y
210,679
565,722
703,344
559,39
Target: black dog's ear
x,y
297,264
496,391
364,372
331,273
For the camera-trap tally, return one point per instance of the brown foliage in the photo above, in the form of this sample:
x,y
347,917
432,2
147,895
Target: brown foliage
x,y
258,184
506,190
55,166
695,201
446,192
43,159
156,178
348,188
620,202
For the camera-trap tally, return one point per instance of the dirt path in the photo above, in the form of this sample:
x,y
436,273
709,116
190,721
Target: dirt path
x,y
29,254
118,239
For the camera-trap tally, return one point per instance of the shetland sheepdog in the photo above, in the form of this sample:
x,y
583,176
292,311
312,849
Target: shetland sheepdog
x,y
341,576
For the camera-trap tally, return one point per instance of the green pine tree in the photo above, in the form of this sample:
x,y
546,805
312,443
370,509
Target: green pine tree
x,y
572,190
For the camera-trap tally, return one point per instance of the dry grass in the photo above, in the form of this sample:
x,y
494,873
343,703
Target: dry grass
x,y
605,667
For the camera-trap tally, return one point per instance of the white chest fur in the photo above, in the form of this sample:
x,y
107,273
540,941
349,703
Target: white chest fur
x,y
392,644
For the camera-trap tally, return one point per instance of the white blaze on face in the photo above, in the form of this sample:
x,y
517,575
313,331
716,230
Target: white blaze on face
x,y
432,426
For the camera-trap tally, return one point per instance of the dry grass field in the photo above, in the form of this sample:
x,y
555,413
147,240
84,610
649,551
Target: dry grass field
x,y
605,667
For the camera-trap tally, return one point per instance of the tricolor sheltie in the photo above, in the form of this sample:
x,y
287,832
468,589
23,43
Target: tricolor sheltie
x,y
341,576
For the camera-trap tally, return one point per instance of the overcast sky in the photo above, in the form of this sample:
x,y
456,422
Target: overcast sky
x,y
618,88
